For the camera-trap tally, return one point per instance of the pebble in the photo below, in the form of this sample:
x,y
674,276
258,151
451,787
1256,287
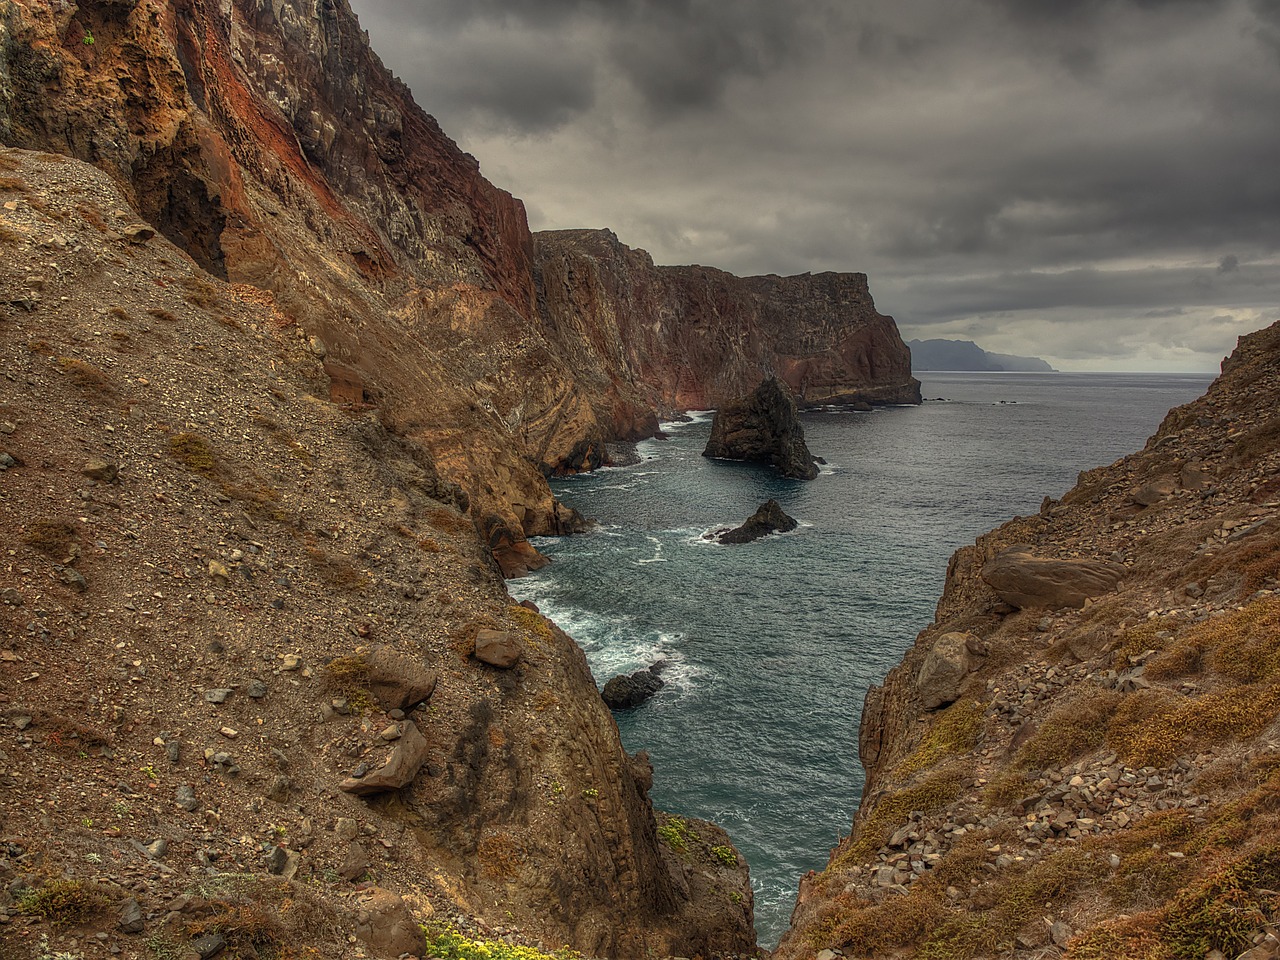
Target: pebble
x,y
217,696
291,662
229,732
186,798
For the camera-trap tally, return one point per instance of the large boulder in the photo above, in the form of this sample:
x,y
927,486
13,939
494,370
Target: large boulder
x,y
763,428
498,648
387,927
397,682
948,662
770,518
399,770
627,691
1024,580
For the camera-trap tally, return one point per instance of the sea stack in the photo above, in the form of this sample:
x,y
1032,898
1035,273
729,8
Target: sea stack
x,y
770,518
763,428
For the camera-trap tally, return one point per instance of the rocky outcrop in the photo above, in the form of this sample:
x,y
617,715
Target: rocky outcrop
x,y
949,660
628,691
763,427
694,337
1024,580
770,518
1049,767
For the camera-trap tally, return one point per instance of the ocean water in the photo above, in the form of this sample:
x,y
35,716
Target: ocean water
x,y
772,645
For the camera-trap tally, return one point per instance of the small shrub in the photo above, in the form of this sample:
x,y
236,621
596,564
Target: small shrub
x,y
1071,730
62,901
13,184
193,452
1128,938
252,924
534,626
446,942
726,855
500,855
349,677
85,375
676,833
52,537
954,732
336,572
40,348
199,292
1152,727
1225,911
161,314
1136,641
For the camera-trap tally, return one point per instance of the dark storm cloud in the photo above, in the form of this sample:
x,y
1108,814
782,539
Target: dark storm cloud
x,y
1043,162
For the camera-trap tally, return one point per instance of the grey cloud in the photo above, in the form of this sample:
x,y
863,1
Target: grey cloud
x,y
977,158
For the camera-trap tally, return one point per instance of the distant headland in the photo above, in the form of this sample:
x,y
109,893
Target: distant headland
x,y
967,355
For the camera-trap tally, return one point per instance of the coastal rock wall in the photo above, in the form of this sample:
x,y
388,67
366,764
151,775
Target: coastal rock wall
x,y
695,337
1078,754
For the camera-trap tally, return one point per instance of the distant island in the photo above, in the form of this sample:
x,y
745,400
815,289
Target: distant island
x,y
967,355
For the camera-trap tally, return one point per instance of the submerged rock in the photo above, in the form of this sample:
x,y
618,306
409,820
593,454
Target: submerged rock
x,y
763,428
770,518
625,692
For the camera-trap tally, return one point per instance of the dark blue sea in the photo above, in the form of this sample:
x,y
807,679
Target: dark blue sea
x,y
773,644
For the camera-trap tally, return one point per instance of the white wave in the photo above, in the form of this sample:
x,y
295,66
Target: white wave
x,y
614,643
657,552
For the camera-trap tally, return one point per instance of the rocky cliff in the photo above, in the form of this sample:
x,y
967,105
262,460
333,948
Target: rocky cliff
x,y
695,337
249,698
1079,756
266,140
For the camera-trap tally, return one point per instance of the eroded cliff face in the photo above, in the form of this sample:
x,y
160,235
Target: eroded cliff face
x,y
695,337
1078,757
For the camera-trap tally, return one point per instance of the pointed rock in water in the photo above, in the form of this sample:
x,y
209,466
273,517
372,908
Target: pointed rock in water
x,y
770,518
763,428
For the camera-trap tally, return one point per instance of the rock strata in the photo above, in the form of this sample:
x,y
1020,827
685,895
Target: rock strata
x,y
763,427
769,518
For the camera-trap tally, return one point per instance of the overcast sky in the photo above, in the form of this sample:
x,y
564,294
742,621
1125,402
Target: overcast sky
x,y
1092,181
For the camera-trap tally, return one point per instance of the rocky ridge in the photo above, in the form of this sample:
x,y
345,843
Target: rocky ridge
x,y
1087,773
262,689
